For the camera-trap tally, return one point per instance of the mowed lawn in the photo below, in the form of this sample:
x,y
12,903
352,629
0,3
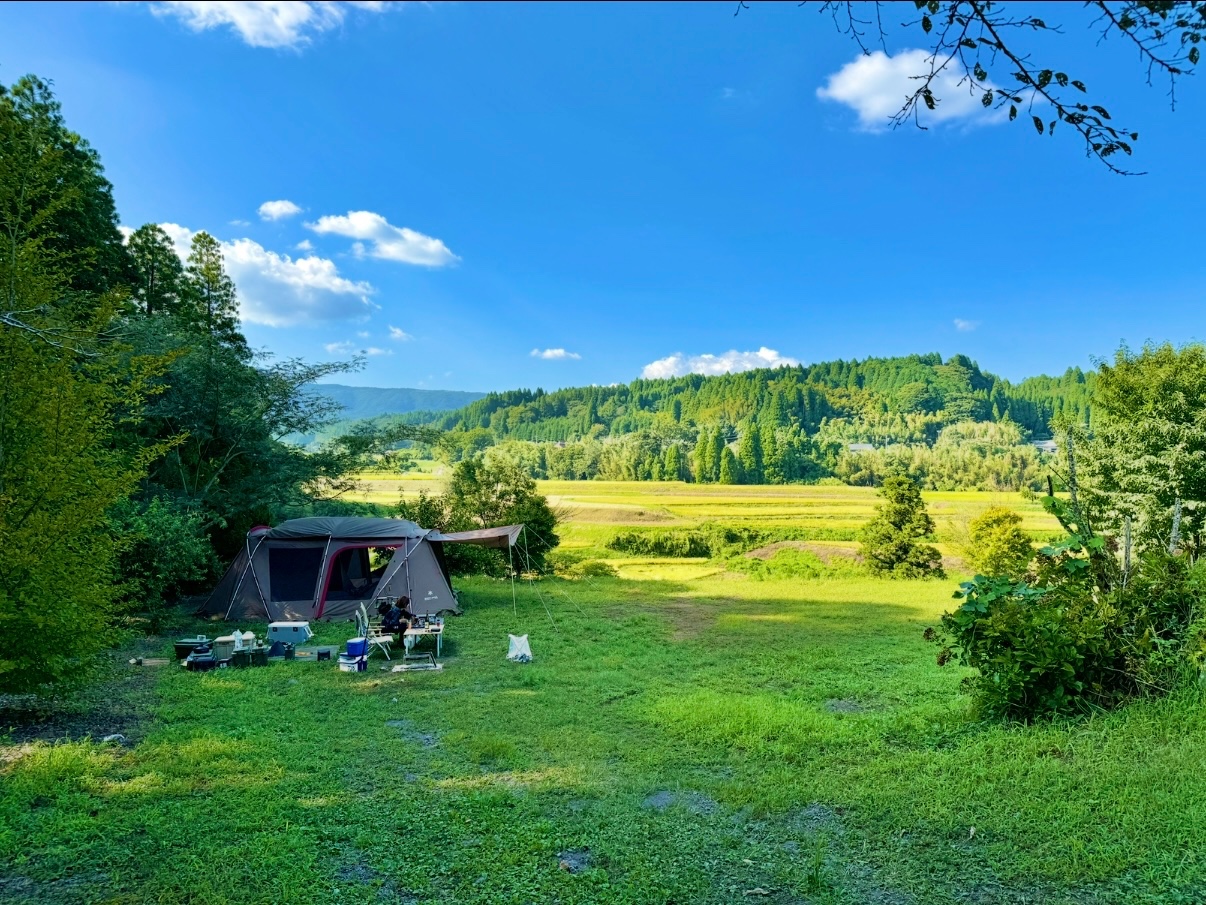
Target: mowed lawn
x,y
678,739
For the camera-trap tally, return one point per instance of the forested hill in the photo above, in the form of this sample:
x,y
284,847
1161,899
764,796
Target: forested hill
x,y
880,399
370,402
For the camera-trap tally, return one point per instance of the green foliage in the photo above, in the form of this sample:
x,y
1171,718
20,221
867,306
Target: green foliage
x,y
1148,448
789,564
997,545
159,276
662,543
730,469
1078,632
945,423
485,494
64,387
163,552
592,568
891,542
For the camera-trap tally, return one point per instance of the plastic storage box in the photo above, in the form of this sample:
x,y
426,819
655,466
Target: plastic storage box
x,y
224,647
291,632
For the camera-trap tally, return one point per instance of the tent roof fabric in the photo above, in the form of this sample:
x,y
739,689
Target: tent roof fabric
x,y
346,528
484,537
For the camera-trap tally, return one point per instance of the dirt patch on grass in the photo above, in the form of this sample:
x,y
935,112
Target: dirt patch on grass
x,y
87,887
355,871
952,563
839,705
574,861
695,802
823,552
619,515
817,818
115,701
408,731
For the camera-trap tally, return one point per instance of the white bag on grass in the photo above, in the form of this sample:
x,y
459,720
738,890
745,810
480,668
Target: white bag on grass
x,y
518,649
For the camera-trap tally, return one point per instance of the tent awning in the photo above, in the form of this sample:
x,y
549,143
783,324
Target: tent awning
x,y
503,537
346,528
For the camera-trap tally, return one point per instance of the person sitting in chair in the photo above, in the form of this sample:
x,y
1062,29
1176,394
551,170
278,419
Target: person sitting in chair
x,y
394,620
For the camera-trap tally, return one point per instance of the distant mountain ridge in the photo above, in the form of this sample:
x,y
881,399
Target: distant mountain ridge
x,y
372,402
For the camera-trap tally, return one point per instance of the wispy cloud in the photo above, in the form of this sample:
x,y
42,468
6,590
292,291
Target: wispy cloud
x,y
397,334
266,23
278,290
965,326
346,346
278,210
876,87
555,354
386,241
730,362
304,245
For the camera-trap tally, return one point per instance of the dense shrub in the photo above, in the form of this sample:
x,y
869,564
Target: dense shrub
x,y
997,545
1077,632
593,568
662,543
162,551
795,564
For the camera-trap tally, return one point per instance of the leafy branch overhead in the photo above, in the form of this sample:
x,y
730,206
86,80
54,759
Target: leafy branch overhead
x,y
983,45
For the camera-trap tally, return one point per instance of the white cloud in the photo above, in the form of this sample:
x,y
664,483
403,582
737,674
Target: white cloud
x,y
677,365
240,223
277,290
265,23
304,245
965,326
876,86
555,354
363,334
126,232
346,346
278,210
389,242
397,334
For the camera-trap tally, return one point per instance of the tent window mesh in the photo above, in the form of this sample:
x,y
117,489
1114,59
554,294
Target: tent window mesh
x,y
293,572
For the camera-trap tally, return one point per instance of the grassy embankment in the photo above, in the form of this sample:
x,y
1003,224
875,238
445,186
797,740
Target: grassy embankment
x,y
685,734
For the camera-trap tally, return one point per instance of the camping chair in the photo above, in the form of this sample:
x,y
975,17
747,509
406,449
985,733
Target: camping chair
x,y
370,628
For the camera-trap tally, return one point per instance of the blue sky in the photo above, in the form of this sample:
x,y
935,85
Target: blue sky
x,y
491,196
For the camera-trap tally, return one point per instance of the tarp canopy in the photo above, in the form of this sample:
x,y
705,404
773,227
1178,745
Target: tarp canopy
x,y
346,528
500,538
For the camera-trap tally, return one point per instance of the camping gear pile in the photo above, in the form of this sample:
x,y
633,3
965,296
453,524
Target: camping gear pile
x,y
238,649
244,649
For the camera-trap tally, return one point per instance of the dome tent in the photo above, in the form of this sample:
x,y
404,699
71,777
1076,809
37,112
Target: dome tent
x,y
318,568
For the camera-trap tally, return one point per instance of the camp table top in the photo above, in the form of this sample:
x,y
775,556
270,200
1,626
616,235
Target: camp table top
x,y
433,629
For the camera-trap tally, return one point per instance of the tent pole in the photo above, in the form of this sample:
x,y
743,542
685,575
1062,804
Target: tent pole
x,y
259,591
511,563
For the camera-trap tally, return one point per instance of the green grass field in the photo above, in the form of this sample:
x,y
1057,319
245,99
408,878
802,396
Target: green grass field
x,y
684,735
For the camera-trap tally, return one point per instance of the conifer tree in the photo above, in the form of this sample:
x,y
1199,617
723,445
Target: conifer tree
x,y
892,539
211,306
159,280
672,470
703,457
718,447
750,455
730,468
